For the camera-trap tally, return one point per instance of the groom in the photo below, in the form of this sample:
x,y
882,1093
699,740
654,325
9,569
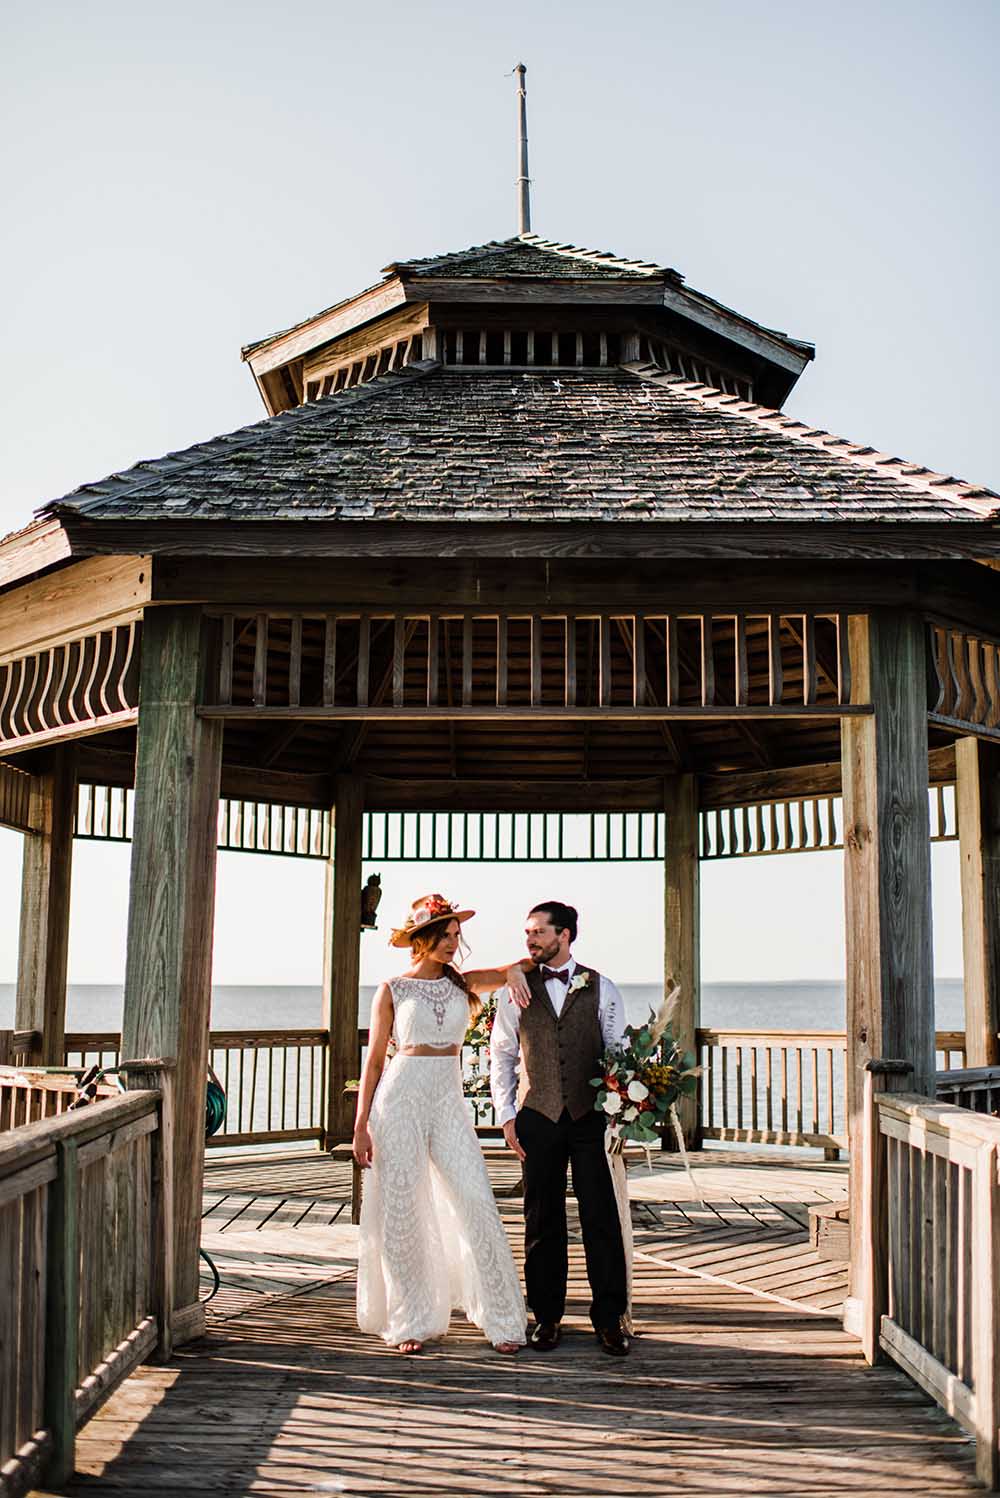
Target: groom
x,y
560,1035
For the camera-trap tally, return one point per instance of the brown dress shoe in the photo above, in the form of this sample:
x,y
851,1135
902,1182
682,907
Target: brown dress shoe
x,y
613,1340
546,1336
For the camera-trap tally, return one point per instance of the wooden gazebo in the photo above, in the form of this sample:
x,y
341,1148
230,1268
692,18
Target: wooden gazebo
x,y
524,528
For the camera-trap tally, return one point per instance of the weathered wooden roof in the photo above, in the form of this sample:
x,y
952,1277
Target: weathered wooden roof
x,y
444,444
530,255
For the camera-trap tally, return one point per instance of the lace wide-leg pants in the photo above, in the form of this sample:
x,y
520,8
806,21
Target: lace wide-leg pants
x,y
431,1239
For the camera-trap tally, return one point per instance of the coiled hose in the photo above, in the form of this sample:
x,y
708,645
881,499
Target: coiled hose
x,y
215,1117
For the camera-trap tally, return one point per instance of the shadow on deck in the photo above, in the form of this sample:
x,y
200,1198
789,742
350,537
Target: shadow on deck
x,y
742,1380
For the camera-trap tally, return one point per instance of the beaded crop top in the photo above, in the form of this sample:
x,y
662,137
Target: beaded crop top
x,y
428,1011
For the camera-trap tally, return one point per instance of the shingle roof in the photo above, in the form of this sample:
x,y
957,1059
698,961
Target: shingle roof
x,y
531,256
442,444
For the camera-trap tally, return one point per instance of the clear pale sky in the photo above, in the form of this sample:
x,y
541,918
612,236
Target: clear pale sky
x,y
179,180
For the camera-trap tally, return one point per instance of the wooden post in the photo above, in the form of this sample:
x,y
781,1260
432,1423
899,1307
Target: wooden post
x,y
342,957
45,901
977,803
62,1312
873,1284
985,1280
890,974
159,1076
681,929
168,974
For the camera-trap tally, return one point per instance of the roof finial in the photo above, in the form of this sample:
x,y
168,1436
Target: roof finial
x,y
523,181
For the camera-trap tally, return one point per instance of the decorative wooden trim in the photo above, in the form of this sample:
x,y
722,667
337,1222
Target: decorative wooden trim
x,y
594,662
84,685
15,799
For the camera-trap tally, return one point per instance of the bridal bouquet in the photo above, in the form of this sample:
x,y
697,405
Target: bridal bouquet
x,y
642,1079
476,1080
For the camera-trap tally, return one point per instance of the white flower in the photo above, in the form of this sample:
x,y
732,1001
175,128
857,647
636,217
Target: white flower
x,y
637,1091
613,1103
630,1113
578,981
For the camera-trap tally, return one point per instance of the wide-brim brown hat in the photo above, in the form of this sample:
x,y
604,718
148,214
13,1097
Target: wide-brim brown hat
x,y
425,912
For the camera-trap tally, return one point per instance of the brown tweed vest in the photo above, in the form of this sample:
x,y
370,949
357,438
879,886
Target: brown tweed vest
x,y
559,1056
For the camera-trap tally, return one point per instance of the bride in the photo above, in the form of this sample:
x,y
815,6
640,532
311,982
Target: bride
x,y
431,1238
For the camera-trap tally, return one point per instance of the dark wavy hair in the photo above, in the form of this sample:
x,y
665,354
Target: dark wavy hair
x,y
562,917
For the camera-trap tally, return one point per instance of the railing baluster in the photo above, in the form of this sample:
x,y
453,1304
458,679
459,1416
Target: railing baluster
x,y
741,670
570,659
329,660
604,661
776,678
810,674
502,660
295,662
260,662
364,650
707,662
535,625
843,658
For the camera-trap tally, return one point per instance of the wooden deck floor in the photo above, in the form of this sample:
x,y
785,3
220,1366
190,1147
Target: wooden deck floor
x,y
742,1380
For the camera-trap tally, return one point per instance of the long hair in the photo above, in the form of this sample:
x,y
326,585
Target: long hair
x,y
423,942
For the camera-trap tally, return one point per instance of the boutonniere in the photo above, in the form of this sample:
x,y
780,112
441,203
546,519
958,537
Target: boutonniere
x,y
578,981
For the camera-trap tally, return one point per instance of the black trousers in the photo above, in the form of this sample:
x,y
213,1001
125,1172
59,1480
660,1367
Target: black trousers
x,y
549,1148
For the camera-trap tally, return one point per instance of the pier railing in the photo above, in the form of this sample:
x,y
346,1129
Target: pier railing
x,y
84,1288
274,1080
931,1254
783,1086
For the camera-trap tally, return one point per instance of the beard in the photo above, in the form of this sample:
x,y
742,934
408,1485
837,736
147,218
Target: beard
x,y
545,954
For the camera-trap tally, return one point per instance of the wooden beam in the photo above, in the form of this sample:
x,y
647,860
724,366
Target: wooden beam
x,y
272,353
485,713
342,956
525,539
890,973
38,547
284,584
758,787
45,907
168,973
681,926
977,801
445,794
76,600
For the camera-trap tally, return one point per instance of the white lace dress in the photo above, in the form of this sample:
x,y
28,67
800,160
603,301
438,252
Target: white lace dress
x,y
431,1239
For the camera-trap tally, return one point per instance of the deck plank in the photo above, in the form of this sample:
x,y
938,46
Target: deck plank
x,y
741,1382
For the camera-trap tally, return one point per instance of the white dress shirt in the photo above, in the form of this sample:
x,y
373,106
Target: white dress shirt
x,y
505,1039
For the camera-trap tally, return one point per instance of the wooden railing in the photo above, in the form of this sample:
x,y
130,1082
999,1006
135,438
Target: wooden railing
x,y
28,1094
781,1086
274,1080
84,1291
480,663
976,1088
931,1253
757,1086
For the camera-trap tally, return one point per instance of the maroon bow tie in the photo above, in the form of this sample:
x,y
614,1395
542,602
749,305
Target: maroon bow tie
x,y
561,975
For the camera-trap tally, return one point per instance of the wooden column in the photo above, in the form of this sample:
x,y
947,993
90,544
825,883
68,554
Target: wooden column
x,y
168,975
681,927
45,903
890,974
977,796
342,956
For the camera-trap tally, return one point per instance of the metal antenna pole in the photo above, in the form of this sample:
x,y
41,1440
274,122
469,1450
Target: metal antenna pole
x,y
523,181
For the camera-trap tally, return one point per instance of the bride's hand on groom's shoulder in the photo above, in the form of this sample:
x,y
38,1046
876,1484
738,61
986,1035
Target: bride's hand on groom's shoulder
x,y
517,987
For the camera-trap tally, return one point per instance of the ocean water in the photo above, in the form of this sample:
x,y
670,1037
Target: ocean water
x,y
772,1006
